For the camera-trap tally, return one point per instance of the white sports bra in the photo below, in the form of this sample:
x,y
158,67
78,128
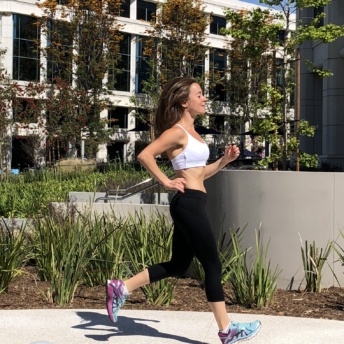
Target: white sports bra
x,y
195,154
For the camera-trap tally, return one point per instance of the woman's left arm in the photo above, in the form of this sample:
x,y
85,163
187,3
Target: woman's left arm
x,y
231,153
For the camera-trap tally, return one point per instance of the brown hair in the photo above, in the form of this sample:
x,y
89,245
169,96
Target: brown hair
x,y
170,110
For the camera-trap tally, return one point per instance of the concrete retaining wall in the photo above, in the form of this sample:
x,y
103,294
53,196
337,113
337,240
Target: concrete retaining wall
x,y
284,206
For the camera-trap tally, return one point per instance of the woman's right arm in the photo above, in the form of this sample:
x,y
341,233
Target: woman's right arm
x,y
168,140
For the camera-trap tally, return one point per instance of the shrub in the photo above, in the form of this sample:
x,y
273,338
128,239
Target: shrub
x,y
148,243
251,280
13,252
313,260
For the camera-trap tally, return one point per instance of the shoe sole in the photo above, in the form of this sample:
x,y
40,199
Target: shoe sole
x,y
109,300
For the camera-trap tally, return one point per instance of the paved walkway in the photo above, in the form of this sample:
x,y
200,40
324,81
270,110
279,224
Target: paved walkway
x,y
70,326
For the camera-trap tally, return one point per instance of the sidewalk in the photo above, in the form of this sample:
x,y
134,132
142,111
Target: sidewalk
x,y
84,326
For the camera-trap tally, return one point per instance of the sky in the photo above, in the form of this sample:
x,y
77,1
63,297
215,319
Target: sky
x,y
256,2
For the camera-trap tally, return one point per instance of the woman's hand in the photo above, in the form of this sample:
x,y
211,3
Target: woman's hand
x,y
231,153
176,184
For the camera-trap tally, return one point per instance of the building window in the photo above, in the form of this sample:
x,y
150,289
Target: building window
x,y
142,66
279,70
217,122
218,65
121,10
125,9
59,51
318,12
115,151
145,10
118,117
26,60
123,78
199,71
217,23
281,36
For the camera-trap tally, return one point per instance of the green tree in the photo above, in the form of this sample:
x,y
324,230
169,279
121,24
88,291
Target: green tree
x,y
83,42
271,116
174,46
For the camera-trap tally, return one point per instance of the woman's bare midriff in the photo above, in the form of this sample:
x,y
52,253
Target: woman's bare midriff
x,y
194,178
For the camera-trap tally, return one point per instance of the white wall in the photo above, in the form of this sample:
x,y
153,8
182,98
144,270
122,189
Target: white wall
x,y
281,205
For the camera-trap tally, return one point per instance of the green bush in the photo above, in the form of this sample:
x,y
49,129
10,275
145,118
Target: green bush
x,y
62,242
313,260
107,251
29,194
148,243
13,252
339,249
251,279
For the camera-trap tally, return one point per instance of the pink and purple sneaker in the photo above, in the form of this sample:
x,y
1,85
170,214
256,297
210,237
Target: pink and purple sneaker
x,y
115,298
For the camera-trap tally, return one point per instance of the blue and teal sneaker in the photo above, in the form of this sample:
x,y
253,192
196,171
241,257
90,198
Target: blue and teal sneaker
x,y
115,298
239,332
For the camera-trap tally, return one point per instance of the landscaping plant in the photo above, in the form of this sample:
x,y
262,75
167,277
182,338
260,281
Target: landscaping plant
x,y
251,279
149,242
339,249
107,251
313,260
13,252
62,242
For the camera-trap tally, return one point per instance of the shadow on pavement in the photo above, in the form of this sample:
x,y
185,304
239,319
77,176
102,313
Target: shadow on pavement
x,y
124,327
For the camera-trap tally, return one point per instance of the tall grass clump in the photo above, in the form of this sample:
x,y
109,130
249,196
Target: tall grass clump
x,y
107,251
149,241
313,260
251,279
13,252
227,255
338,248
62,250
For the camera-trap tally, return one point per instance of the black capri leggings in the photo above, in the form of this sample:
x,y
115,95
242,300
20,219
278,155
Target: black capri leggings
x,y
192,236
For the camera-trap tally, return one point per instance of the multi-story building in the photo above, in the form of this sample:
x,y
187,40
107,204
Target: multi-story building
x,y
322,99
17,15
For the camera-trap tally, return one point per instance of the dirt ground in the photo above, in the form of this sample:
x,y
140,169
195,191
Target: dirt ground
x,y
28,292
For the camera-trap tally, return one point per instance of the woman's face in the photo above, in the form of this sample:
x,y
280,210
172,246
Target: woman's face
x,y
196,102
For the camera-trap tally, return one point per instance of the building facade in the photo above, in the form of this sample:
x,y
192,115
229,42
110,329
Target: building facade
x,y
322,99
24,66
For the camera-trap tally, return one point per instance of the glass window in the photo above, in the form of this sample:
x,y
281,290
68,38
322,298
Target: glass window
x,y
217,23
59,51
199,71
123,78
122,10
26,60
218,65
125,9
145,10
318,11
217,122
115,151
118,117
142,66
279,67
281,37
